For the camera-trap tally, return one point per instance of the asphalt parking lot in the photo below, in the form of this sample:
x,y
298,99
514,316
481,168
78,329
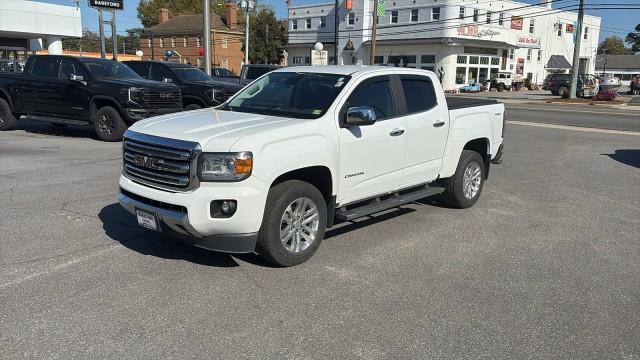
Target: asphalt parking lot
x,y
546,265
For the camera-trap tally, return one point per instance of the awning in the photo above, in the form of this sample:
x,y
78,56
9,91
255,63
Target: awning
x,y
445,41
558,62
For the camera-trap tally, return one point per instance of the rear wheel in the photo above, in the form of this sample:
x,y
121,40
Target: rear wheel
x,y
563,91
7,120
108,124
293,225
463,189
192,107
500,87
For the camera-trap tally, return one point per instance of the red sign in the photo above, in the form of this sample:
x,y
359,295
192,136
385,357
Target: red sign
x,y
468,30
516,22
569,28
348,4
528,41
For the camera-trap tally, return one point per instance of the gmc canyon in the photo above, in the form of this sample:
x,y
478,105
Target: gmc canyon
x,y
302,148
66,90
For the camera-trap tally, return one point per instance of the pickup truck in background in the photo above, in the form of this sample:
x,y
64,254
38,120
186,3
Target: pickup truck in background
x,y
222,74
198,89
302,148
66,90
248,73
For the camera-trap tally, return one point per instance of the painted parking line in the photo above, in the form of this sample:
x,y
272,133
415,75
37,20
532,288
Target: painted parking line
x,y
575,128
571,110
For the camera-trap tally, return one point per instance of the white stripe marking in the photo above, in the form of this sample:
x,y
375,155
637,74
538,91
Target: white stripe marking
x,y
575,128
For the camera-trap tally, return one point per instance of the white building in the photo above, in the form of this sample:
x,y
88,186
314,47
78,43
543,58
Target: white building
x,y
23,25
462,41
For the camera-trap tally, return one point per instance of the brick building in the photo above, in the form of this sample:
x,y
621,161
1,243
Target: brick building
x,y
183,35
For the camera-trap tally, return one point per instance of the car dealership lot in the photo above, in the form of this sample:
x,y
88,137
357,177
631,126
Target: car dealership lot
x,y
545,265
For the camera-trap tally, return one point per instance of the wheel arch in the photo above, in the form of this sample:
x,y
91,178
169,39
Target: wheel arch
x,y
191,99
99,101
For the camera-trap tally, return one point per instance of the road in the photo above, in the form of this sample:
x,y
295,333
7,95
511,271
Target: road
x,y
545,265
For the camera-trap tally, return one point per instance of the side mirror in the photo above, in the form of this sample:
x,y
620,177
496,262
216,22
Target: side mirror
x,y
74,77
361,116
167,80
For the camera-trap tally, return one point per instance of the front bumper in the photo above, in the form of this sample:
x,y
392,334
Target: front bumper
x,y
134,114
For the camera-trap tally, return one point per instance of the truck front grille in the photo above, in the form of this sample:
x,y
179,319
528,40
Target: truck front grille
x,y
157,99
160,162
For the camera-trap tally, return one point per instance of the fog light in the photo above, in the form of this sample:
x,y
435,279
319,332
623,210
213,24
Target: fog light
x,y
223,208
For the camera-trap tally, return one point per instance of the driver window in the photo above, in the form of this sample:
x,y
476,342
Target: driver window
x,y
375,93
67,68
159,73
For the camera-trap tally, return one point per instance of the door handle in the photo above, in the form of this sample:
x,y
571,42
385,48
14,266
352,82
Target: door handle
x,y
438,123
396,132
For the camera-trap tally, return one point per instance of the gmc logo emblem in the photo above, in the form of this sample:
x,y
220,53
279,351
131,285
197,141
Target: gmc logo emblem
x,y
164,95
147,162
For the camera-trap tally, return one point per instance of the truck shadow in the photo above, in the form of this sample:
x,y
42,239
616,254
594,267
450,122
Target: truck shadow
x,y
629,157
70,131
121,226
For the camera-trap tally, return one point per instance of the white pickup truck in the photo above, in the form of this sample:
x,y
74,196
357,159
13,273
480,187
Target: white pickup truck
x,y
302,148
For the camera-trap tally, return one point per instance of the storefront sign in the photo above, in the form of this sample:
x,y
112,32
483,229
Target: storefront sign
x,y
569,28
528,42
468,30
520,66
107,4
516,22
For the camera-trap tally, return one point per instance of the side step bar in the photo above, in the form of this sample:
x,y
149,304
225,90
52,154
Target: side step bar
x,y
53,120
379,204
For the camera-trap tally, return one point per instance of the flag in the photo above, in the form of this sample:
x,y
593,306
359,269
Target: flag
x,y
380,7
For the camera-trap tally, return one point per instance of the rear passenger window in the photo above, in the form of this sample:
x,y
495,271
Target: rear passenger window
x,y
46,67
419,93
375,94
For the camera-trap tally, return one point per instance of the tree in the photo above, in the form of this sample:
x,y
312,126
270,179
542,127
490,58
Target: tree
x,y
148,10
267,37
613,45
633,38
90,42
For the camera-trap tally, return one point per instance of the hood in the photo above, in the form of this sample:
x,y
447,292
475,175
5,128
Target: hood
x,y
214,130
219,85
140,83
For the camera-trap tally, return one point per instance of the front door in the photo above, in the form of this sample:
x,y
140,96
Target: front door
x,y
74,101
371,157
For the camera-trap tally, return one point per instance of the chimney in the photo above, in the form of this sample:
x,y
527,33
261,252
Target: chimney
x,y
163,15
231,15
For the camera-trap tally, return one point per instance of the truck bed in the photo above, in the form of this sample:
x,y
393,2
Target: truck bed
x,y
460,102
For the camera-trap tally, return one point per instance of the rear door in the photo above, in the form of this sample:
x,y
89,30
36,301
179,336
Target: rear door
x,y
427,129
41,89
372,157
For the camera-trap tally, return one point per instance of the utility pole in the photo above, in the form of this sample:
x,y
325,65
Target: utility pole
x,y
101,28
114,35
335,35
373,33
124,49
246,32
206,36
576,53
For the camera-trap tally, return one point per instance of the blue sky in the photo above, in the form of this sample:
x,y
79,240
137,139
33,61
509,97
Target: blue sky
x,y
614,22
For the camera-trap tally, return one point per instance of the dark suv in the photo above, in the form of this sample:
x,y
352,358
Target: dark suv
x,y
198,89
67,90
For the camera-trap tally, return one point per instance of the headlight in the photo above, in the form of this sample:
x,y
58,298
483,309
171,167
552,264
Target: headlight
x,y
135,94
225,166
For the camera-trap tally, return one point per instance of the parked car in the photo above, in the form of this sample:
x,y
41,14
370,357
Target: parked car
x,y
198,89
222,74
66,90
634,85
505,80
303,148
559,84
253,71
11,66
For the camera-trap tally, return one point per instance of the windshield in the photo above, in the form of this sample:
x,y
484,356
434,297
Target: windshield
x,y
109,69
290,94
191,74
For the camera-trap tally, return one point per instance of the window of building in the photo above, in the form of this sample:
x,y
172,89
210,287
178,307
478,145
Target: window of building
x,y
225,41
586,33
476,14
495,61
161,42
376,94
462,59
461,73
539,55
225,63
474,60
149,42
435,13
173,41
414,15
532,26
501,19
297,59
428,59
511,54
351,19
424,94
185,41
294,24
198,62
394,17
529,51
199,41
307,60
378,59
488,17
484,60
323,22
307,23
461,14
559,27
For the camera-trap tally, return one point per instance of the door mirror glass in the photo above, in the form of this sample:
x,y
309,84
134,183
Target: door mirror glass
x,y
361,116
76,77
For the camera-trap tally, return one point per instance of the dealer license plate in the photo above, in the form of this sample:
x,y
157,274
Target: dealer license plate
x,y
147,219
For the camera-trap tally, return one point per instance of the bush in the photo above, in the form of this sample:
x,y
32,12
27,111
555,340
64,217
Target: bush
x,y
605,95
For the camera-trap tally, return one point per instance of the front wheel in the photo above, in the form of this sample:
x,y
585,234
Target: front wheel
x,y
463,189
500,87
108,124
294,223
7,120
192,107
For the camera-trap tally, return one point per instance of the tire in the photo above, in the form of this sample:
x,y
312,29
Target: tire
x,y
455,194
562,90
289,248
108,124
500,87
7,120
192,107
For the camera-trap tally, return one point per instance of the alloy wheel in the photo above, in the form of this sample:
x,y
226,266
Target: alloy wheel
x,y
471,180
299,225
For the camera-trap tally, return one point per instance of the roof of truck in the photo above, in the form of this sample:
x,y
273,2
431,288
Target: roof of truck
x,y
344,69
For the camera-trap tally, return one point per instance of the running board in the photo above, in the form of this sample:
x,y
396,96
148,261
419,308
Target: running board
x,y
53,120
379,204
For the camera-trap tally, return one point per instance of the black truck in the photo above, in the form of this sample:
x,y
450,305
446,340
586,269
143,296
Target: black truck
x,y
198,89
66,90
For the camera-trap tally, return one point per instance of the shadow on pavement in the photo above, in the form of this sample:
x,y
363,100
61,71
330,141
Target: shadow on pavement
x,y
44,128
342,228
629,157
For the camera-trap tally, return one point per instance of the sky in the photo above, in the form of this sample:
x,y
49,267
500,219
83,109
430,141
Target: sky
x,y
614,22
